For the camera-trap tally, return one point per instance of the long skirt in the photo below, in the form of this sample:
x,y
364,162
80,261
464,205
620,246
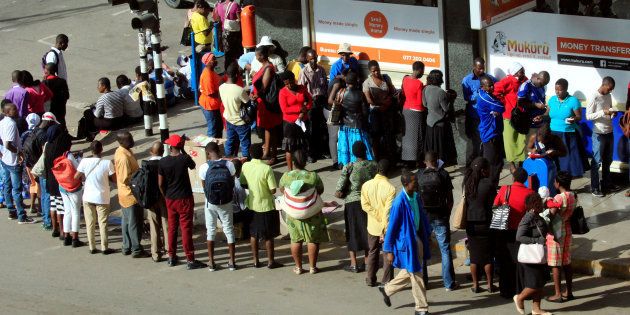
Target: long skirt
x,y
440,139
413,137
513,143
347,137
573,162
356,227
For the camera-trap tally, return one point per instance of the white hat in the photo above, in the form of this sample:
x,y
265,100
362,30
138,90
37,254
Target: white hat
x,y
48,116
32,120
344,48
514,68
265,41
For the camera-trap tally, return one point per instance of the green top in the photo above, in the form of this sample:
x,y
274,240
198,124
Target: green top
x,y
301,180
413,201
352,178
260,181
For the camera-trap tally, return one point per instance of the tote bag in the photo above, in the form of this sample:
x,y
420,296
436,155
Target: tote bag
x,y
459,218
501,213
231,25
532,253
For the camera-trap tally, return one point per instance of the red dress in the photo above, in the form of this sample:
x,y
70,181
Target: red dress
x,y
265,119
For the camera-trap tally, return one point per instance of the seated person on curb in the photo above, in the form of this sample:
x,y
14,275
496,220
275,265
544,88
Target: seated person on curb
x,y
106,114
132,112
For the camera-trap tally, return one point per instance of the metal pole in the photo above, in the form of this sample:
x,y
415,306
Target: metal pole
x,y
142,50
194,69
159,85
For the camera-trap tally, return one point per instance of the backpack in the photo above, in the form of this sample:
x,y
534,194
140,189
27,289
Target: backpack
x,y
46,54
32,147
144,184
219,183
63,169
431,189
270,96
520,120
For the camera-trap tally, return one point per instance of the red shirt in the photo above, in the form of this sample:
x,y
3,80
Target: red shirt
x,y
412,88
209,83
37,96
505,90
516,201
291,104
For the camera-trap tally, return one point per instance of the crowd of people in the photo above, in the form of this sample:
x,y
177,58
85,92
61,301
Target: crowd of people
x,y
364,124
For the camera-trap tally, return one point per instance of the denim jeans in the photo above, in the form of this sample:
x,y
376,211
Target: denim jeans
x,y
602,156
238,134
45,202
215,123
442,232
12,189
132,228
223,213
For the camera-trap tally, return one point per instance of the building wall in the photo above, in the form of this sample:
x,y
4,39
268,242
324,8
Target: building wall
x,y
282,20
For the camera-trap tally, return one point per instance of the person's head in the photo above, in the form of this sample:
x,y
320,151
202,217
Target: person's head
x,y
10,110
256,151
533,202
608,85
345,52
359,150
138,72
15,76
408,180
50,69
562,87
352,79
517,70
374,68
299,159
418,69
311,58
122,80
157,149
203,7
487,84
288,78
103,85
478,169
520,175
303,54
431,159
383,167
32,120
544,133
233,72
61,42
96,147
262,54
209,60
212,151
176,143
479,66
125,139
435,77
541,79
563,179
26,79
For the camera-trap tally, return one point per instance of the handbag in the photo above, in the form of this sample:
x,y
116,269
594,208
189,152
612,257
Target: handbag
x,y
231,25
247,112
64,172
579,225
185,40
532,253
335,111
38,169
501,213
460,216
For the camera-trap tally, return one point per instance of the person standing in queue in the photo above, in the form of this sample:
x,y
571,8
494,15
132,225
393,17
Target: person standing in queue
x,y
415,114
489,110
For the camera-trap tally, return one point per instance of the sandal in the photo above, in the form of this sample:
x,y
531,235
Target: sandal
x,y
568,297
297,270
557,300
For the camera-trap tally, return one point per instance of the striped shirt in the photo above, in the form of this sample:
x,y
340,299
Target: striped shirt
x,y
110,105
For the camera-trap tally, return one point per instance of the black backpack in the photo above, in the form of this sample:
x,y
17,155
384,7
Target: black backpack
x,y
431,189
520,120
144,184
219,183
32,147
46,54
271,94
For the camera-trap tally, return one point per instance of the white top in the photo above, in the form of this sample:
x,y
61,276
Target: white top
x,y
97,172
9,133
131,108
186,71
275,60
61,64
602,123
203,169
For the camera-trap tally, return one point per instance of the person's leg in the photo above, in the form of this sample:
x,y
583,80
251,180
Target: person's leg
x,y
126,217
296,253
313,254
217,127
89,213
6,190
267,143
154,232
527,293
67,218
209,122
254,246
173,226
557,278
186,223
45,204
103,216
536,298
269,247
388,269
489,277
568,278
211,230
491,151
163,218
372,260
231,136
135,228
353,258
596,162
245,138
16,190
443,236
226,215
475,276
333,136
419,292
606,160
398,283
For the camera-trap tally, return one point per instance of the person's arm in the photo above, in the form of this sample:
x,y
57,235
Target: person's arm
x,y
466,91
393,227
343,181
333,93
308,99
161,184
99,109
388,206
243,180
266,79
592,113
319,185
271,181
190,163
577,111
365,203
531,144
367,94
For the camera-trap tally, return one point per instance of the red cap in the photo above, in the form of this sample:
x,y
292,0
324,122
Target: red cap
x,y
174,141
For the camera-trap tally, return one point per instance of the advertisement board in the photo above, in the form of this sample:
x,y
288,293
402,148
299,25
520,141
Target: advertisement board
x,y
395,35
484,13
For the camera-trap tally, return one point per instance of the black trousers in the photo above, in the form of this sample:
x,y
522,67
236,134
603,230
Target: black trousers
x,y
470,126
506,252
317,131
493,152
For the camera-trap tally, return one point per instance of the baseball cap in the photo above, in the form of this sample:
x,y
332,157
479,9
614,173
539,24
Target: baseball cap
x,y
48,116
174,141
32,120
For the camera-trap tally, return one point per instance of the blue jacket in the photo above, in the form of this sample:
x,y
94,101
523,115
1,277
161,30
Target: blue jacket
x,y
489,126
338,67
471,86
400,238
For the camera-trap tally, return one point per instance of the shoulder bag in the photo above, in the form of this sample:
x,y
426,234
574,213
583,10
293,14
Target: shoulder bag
x,y
501,213
579,225
231,25
532,253
185,40
460,216
39,169
247,112
335,111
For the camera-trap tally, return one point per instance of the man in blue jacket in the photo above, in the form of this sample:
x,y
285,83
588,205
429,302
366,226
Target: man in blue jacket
x,y
490,111
407,244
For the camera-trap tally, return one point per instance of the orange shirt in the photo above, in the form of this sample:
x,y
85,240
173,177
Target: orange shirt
x,y
209,83
125,165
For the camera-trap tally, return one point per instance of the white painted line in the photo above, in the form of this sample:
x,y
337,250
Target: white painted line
x,y
9,30
120,12
45,40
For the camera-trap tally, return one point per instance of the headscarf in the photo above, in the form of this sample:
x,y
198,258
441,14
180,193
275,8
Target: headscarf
x,y
514,68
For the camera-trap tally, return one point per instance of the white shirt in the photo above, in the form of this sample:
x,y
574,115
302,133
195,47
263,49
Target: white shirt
x,y
203,169
131,108
275,60
602,123
186,71
97,172
61,64
9,133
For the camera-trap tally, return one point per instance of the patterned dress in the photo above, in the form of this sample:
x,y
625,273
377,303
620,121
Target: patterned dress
x,y
559,249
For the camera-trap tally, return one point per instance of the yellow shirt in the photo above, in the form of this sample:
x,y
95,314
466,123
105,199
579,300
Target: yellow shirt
x,y
377,196
294,66
125,165
200,23
260,180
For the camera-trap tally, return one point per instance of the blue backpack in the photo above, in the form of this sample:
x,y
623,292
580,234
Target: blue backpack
x,y
219,183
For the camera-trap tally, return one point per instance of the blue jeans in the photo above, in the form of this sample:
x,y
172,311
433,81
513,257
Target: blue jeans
x,y
602,156
238,134
442,232
12,189
215,124
45,202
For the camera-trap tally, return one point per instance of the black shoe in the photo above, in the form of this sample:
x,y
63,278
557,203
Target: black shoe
x,y
13,215
311,160
172,261
195,264
475,290
141,254
55,233
361,268
370,283
597,193
351,268
126,252
275,265
612,188
108,251
26,221
386,299
76,243
93,251
67,241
